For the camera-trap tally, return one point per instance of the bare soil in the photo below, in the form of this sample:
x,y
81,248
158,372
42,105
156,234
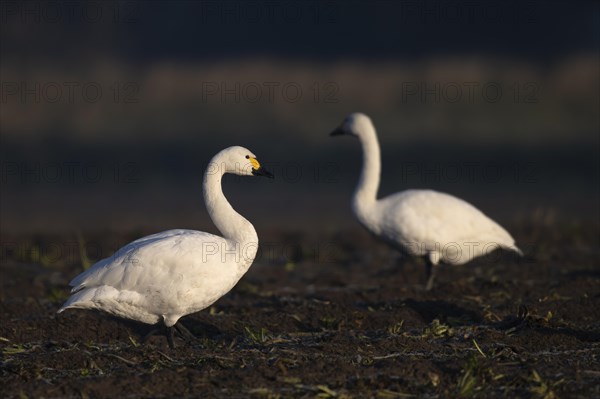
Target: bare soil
x,y
331,316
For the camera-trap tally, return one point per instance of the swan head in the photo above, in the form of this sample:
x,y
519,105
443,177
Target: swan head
x,y
238,161
356,124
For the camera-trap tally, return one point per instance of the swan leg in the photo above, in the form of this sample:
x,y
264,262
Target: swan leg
x,y
431,269
170,334
431,262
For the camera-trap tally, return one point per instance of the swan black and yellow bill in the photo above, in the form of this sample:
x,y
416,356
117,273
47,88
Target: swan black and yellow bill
x,y
259,170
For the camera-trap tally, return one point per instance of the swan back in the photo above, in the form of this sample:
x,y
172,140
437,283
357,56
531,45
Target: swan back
x,y
420,222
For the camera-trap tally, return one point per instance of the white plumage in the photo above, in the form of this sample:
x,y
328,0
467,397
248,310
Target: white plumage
x,y
437,226
171,274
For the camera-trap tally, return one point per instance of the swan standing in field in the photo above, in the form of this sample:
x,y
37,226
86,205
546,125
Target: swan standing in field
x,y
165,276
427,223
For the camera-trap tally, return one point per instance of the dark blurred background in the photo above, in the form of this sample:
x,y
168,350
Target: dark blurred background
x,y
110,111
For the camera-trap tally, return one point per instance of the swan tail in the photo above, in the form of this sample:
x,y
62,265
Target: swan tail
x,y
88,298
514,249
125,304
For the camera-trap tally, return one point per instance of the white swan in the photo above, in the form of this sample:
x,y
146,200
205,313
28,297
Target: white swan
x,y
171,274
425,223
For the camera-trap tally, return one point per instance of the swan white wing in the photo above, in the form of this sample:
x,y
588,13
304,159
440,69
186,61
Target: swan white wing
x,y
166,275
111,268
426,218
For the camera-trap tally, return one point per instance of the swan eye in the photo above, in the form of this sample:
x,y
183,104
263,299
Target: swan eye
x,y
247,156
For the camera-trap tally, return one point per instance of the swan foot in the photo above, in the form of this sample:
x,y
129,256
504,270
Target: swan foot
x,y
184,332
170,334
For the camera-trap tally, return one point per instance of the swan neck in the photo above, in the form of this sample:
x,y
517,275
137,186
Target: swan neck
x,y
231,224
368,184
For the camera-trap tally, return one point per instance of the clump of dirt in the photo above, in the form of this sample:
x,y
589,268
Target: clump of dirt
x,y
335,317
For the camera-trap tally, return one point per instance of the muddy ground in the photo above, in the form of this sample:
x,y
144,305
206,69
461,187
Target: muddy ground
x,y
330,316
